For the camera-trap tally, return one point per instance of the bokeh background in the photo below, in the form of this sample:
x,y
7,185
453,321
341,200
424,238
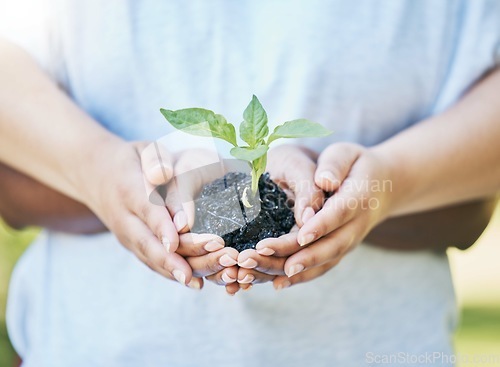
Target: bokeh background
x,y
476,273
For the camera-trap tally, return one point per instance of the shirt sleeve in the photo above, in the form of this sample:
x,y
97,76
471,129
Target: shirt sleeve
x,y
30,24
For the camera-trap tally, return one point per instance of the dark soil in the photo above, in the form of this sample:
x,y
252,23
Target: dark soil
x,y
220,210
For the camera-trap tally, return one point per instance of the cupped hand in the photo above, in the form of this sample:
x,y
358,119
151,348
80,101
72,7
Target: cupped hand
x,y
359,181
205,253
115,191
293,168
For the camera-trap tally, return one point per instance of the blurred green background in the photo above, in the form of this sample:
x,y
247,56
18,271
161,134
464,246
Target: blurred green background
x,y
476,273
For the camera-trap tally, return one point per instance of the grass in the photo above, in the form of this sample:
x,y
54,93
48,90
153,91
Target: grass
x,y
12,245
478,334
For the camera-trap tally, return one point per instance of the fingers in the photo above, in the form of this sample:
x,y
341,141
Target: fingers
x,y
192,170
334,165
158,219
225,276
328,249
193,244
156,164
139,239
292,168
282,246
271,265
282,282
180,204
335,213
154,159
252,276
213,262
232,288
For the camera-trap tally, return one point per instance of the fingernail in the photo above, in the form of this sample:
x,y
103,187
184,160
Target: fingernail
x,y
180,220
248,264
227,279
284,284
231,294
166,242
249,278
160,169
266,251
307,214
194,284
213,246
247,288
295,269
226,260
328,176
306,239
179,276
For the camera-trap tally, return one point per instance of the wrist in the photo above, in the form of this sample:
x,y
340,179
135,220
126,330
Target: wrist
x,y
93,166
403,185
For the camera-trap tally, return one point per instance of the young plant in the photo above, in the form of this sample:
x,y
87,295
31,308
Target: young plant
x,y
254,131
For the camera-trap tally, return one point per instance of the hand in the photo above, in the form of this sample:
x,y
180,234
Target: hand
x,y
24,202
361,185
293,168
114,190
205,253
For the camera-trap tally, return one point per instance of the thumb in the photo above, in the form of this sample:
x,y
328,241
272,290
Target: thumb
x,y
156,163
193,169
334,165
293,169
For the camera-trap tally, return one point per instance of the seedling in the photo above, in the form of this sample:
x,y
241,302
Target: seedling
x,y
254,131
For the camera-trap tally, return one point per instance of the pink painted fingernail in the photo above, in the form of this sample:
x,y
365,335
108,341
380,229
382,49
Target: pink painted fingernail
x,y
249,278
295,269
266,251
180,220
226,260
306,239
248,264
284,284
227,279
213,246
307,214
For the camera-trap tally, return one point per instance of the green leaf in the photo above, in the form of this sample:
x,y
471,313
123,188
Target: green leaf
x,y
201,122
249,154
254,129
300,128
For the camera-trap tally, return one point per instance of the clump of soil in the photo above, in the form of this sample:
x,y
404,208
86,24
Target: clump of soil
x,y
223,209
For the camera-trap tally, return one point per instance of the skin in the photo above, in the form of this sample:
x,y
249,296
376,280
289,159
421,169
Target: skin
x,y
457,167
107,175
26,202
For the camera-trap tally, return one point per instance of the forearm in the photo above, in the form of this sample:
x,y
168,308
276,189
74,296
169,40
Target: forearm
x,y
456,226
42,132
450,158
26,202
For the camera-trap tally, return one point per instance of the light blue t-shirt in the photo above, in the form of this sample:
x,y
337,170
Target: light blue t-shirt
x,y
366,69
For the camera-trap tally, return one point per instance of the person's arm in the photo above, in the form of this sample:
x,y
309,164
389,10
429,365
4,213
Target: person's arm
x,y
454,226
26,202
45,135
449,158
